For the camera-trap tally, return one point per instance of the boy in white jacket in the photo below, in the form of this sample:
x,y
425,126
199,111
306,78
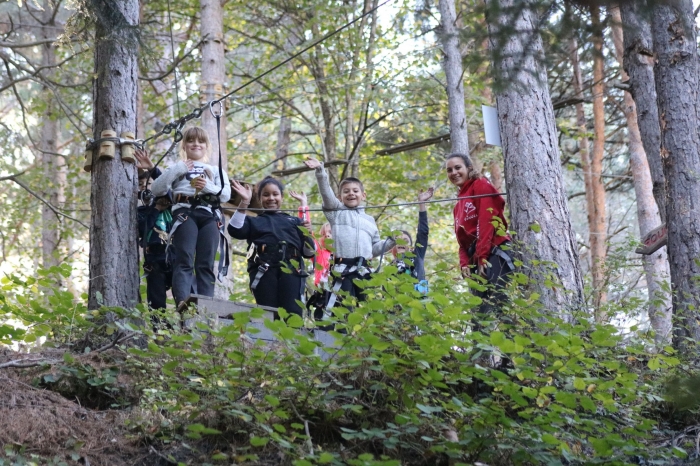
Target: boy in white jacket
x,y
355,234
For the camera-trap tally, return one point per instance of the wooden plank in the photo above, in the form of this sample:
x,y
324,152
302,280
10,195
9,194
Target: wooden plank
x,y
653,241
225,309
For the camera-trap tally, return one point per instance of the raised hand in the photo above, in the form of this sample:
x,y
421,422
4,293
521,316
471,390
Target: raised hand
x,y
312,163
425,195
243,190
190,164
299,196
142,159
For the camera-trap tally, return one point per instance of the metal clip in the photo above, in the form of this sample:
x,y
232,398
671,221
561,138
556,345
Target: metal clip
x,y
221,109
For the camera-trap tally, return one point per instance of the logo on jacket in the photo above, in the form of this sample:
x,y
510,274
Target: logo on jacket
x,y
469,211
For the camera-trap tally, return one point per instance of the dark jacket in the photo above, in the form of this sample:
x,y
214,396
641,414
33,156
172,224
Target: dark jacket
x,y
272,228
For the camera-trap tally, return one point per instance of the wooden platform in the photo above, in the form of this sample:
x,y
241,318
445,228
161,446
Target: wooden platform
x,y
216,312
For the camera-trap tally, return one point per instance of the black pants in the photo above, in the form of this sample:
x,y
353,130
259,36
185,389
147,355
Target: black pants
x,y
277,288
193,251
348,285
158,281
498,276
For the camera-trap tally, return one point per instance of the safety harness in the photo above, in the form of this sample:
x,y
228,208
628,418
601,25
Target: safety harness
x,y
212,202
266,256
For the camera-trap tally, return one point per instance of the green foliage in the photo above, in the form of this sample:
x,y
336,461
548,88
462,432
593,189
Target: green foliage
x,y
408,375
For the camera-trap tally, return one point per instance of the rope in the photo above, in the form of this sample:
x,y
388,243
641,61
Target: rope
x,y
197,112
383,206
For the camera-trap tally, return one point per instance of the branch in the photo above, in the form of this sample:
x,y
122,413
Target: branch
x,y
48,204
177,61
19,45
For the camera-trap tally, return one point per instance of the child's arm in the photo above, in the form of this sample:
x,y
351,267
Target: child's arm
x,y
238,227
381,246
167,178
214,186
423,229
330,201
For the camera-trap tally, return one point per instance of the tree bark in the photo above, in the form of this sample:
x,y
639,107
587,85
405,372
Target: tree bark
x,y
114,276
597,223
213,74
676,77
638,63
655,265
283,139
452,64
536,195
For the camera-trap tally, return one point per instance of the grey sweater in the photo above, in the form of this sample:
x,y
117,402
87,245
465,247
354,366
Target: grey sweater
x,y
177,178
355,233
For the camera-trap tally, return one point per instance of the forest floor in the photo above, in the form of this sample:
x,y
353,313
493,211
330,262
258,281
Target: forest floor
x,y
37,422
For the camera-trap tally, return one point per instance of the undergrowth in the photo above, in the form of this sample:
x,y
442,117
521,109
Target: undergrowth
x,y
412,380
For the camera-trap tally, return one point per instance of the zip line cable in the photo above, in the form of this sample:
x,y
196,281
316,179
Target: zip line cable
x,y
197,112
382,206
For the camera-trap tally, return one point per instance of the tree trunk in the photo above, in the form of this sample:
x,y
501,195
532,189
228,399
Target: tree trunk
x,y
655,265
638,63
53,164
584,143
598,224
536,195
212,87
452,65
114,275
213,74
676,77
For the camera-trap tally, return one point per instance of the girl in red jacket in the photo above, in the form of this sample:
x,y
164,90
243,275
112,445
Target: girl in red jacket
x,y
481,229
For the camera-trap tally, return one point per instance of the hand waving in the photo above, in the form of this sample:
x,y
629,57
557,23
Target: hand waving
x,y
299,196
312,163
243,190
425,195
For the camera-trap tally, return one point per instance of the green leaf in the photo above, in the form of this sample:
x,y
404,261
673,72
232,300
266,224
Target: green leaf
x,y
259,441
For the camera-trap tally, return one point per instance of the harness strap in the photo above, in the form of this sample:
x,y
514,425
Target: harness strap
x,y
262,269
334,296
218,138
503,255
224,258
181,218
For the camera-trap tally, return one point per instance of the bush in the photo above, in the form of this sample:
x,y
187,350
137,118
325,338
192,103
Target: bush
x,y
412,380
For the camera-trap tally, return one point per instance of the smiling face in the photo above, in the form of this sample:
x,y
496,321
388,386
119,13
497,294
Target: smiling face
x,y
352,195
400,249
196,148
457,171
271,197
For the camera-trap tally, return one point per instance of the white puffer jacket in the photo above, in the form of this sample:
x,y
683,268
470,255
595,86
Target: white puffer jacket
x,y
355,233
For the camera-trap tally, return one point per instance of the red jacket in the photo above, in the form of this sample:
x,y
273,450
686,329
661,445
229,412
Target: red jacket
x,y
474,221
323,257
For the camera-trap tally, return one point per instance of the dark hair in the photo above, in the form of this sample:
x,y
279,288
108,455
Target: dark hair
x,y
349,180
410,238
472,174
269,180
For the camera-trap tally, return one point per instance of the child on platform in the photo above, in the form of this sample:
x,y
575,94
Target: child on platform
x,y
355,234
275,243
197,193
415,266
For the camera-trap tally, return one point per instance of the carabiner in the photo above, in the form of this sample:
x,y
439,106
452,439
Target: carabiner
x,y
221,109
